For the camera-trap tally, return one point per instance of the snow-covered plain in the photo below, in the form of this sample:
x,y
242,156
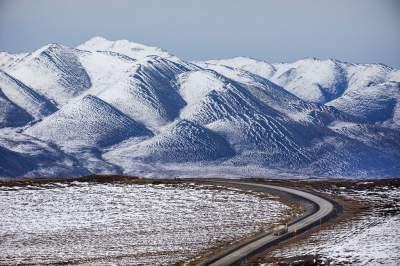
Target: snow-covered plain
x,y
122,224
371,238
126,108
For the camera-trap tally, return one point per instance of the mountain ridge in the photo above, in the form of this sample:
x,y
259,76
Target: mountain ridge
x,y
126,108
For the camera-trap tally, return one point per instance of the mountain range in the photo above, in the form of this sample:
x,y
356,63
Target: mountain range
x,y
118,107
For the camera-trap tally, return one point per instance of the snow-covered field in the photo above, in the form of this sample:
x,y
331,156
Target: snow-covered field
x,y
124,224
373,238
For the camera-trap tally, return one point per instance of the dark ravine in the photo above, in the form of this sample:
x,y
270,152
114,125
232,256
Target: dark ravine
x,y
318,210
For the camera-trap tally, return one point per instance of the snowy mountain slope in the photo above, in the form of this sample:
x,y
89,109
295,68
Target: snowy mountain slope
x,y
395,76
268,92
106,70
351,158
365,91
278,98
233,112
373,103
149,94
372,94
364,75
11,115
133,109
129,49
92,157
33,103
210,95
87,122
7,60
312,79
182,141
260,68
22,155
62,76
385,139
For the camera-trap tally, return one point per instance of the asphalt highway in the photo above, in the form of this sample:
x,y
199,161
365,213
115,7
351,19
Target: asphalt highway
x,y
325,209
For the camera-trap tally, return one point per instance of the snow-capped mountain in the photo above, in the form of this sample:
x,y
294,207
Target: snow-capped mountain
x,y
54,71
126,108
124,47
87,122
149,94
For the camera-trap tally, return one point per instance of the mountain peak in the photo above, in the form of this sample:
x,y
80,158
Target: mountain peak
x,y
237,61
98,39
131,49
95,42
259,67
50,47
316,60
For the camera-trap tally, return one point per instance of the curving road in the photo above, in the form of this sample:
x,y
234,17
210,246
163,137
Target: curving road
x,y
325,210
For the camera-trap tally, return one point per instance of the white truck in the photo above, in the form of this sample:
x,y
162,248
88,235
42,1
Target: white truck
x,y
280,230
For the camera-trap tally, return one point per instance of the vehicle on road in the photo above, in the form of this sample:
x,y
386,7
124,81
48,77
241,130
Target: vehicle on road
x,y
280,230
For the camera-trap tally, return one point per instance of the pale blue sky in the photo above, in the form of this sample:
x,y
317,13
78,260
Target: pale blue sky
x,y
282,30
